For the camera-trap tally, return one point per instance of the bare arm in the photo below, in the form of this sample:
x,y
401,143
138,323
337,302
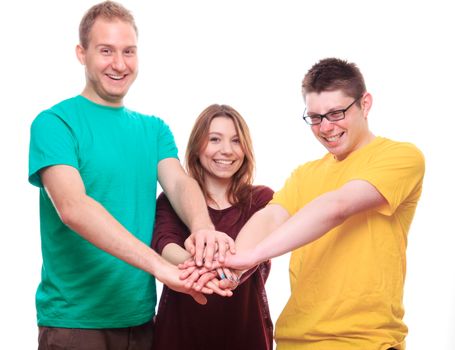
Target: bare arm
x,y
260,225
189,203
184,194
93,222
175,254
312,221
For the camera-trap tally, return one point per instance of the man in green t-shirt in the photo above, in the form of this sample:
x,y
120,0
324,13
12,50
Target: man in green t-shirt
x,y
97,164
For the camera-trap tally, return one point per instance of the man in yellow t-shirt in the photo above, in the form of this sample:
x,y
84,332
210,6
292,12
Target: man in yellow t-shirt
x,y
346,218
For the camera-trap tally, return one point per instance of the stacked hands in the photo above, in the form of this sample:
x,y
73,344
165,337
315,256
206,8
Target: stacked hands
x,y
213,267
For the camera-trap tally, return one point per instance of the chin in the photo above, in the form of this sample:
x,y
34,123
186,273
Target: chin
x,y
117,97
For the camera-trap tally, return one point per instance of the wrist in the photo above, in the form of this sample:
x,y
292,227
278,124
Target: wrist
x,y
160,268
202,226
257,255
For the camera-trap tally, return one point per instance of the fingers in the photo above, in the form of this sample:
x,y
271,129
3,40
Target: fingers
x,y
188,263
204,244
199,297
170,277
229,275
214,285
231,244
206,282
225,243
231,280
187,272
210,249
206,290
191,279
220,273
203,279
227,285
199,254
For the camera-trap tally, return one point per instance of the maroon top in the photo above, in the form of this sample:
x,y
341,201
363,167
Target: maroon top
x,y
238,322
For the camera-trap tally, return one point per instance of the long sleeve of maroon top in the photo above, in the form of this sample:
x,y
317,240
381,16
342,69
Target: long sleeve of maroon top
x,y
240,322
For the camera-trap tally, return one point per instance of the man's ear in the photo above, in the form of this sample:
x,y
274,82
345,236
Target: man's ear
x,y
366,103
80,53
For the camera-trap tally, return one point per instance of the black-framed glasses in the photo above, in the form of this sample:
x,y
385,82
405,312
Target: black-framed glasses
x,y
332,116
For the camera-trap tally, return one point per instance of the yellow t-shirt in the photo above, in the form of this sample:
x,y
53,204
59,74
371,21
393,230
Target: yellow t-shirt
x,y
347,286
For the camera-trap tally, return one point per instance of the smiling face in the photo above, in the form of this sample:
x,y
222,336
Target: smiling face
x,y
222,156
110,61
341,137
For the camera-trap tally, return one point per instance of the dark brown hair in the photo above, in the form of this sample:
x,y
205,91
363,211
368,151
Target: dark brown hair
x,y
108,10
239,191
331,74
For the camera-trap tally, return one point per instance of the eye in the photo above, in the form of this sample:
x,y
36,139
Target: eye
x,y
214,139
130,52
315,118
236,141
335,115
105,51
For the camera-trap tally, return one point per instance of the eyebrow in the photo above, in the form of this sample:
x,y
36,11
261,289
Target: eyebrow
x,y
216,133
113,46
333,109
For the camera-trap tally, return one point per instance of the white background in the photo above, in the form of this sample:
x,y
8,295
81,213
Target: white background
x,y
251,55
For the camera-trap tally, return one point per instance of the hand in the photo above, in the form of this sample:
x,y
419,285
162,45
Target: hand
x,y
203,244
197,277
190,272
242,260
170,276
201,278
226,282
229,279
210,280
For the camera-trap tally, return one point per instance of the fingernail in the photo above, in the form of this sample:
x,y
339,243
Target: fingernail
x,y
223,276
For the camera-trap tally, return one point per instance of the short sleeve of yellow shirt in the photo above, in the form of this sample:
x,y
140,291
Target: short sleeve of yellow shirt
x,y
396,170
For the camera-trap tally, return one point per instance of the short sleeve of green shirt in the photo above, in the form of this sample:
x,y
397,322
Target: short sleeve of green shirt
x,y
51,143
167,147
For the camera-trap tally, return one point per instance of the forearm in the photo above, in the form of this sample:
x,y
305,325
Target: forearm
x,y
190,205
175,254
313,221
308,224
259,226
96,225
320,216
93,222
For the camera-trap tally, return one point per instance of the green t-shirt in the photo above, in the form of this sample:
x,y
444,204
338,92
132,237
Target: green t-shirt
x,y
116,152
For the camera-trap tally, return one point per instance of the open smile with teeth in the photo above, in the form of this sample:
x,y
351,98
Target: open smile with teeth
x,y
116,77
223,161
333,138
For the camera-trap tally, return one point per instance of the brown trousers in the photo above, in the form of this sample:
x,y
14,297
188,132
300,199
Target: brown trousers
x,y
130,338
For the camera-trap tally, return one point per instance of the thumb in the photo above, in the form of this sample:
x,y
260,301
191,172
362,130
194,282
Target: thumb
x,y
199,298
189,245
